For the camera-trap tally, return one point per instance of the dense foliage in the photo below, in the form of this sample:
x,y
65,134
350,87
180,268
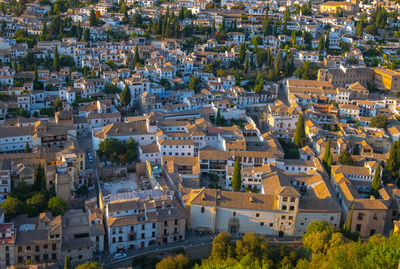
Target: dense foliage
x,y
323,247
33,199
115,151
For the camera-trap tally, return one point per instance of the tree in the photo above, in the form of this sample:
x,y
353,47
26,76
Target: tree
x,y
359,28
236,176
40,179
376,182
92,18
56,60
89,265
12,207
194,83
136,58
246,63
36,204
27,148
218,118
86,35
221,247
293,38
251,244
392,163
242,52
67,263
370,29
126,96
57,206
58,104
300,134
327,41
379,121
327,160
320,236
179,261
321,43
345,158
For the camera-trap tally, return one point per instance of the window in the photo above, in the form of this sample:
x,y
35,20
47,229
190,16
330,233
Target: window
x,y
257,215
332,218
285,199
292,199
358,227
291,207
284,207
372,232
283,217
234,214
261,223
154,225
290,217
375,217
360,216
271,224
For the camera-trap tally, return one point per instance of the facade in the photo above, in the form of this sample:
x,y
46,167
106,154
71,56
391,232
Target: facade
x,y
134,221
38,239
286,204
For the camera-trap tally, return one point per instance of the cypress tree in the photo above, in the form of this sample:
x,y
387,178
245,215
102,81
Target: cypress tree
x,y
126,96
300,135
327,41
27,148
327,161
246,64
393,160
327,151
236,176
56,60
349,221
79,31
136,58
242,52
92,18
376,182
67,263
321,43
43,36
218,119
293,38
86,35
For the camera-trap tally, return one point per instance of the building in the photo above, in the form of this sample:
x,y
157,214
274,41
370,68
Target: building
x,y
76,236
333,7
7,240
386,79
38,239
285,206
141,219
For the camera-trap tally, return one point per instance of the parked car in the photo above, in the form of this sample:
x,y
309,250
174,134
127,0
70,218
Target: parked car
x,y
118,256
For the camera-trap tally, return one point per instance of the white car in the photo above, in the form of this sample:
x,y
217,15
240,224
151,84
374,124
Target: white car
x,y
119,256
